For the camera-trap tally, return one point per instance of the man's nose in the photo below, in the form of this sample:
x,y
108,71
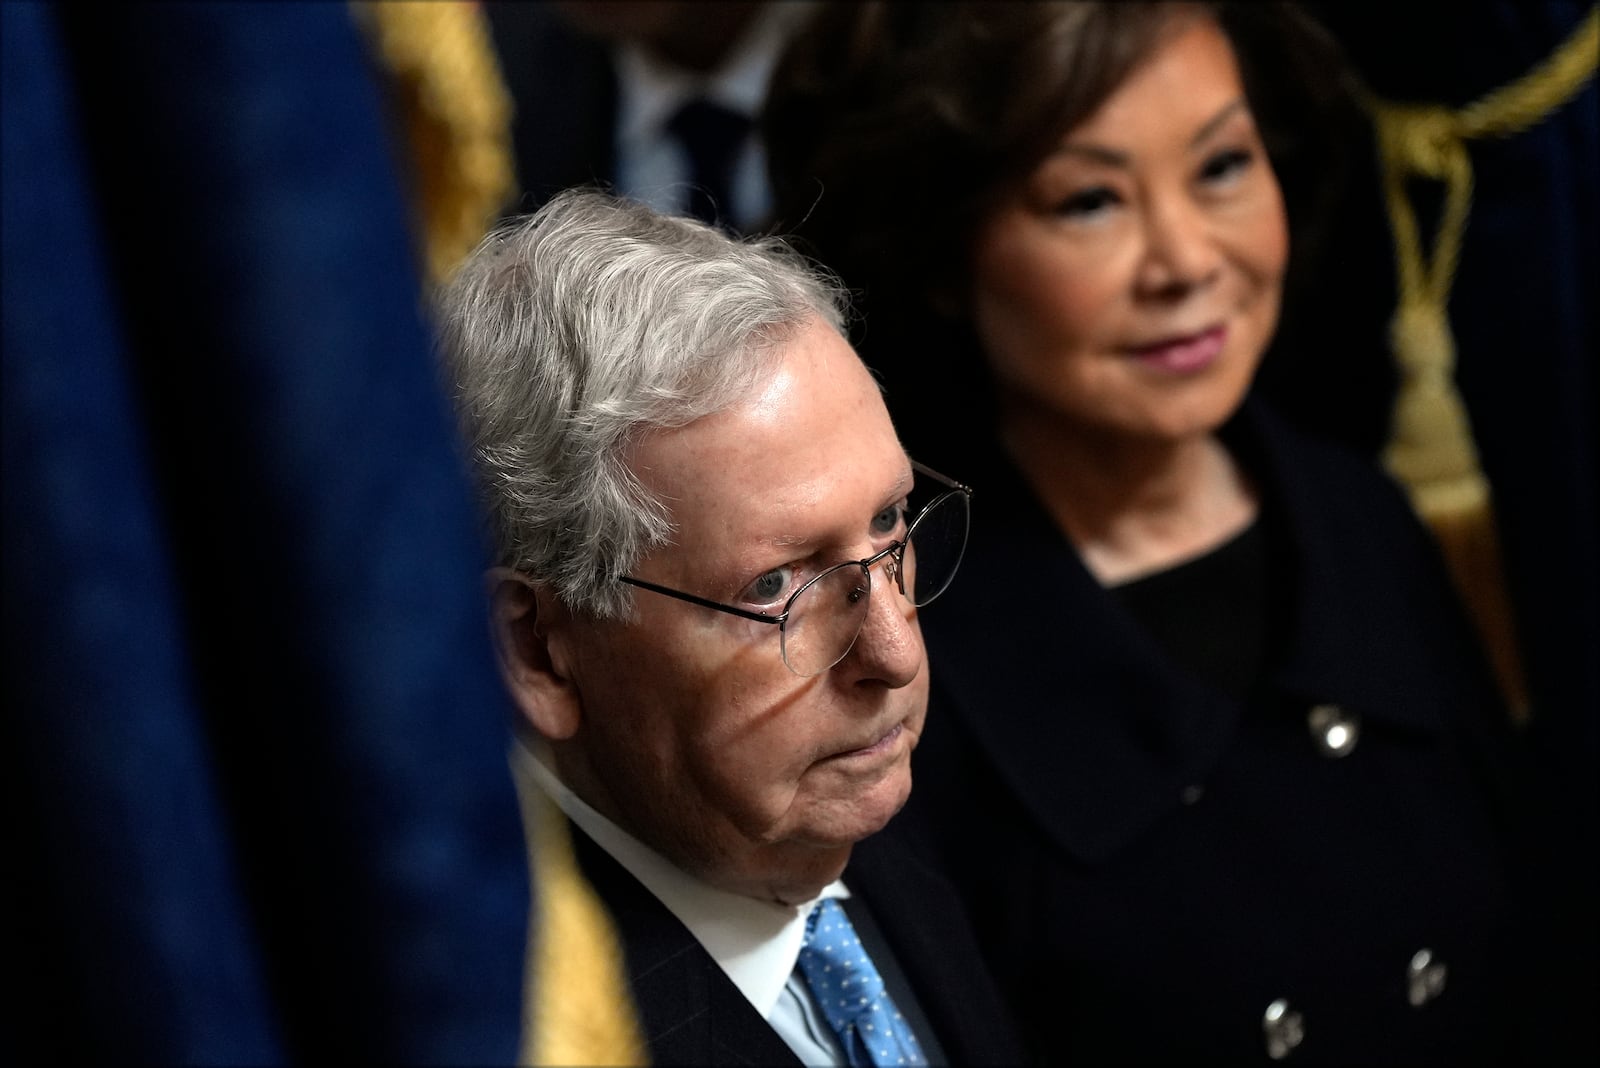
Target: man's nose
x,y
888,649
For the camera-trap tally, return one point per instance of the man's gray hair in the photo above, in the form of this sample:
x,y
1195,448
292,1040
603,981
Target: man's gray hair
x,y
570,332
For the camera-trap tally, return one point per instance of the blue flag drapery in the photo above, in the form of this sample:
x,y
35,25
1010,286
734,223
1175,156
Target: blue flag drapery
x,y
255,742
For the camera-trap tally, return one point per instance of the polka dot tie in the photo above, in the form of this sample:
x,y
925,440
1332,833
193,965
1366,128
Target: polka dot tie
x,y
851,993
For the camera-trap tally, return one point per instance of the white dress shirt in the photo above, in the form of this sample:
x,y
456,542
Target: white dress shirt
x,y
651,164
756,943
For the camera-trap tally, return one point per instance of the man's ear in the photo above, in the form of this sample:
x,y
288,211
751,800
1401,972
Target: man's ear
x,y
531,630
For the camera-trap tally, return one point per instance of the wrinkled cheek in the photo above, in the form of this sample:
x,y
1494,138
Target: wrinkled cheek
x,y
920,687
756,795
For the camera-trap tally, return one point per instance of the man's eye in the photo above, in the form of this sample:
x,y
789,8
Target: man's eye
x,y
889,522
769,588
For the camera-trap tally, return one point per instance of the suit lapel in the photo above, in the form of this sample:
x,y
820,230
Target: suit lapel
x,y
919,918
690,1011
900,989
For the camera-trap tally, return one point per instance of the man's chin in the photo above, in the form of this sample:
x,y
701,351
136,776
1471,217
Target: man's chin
x,y
866,814
818,851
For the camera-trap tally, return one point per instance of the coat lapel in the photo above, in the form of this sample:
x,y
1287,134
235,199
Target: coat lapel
x,y
931,949
690,1011
1085,718
1077,708
1367,580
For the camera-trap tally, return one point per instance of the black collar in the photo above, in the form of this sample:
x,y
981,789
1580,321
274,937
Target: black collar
x,y
1084,716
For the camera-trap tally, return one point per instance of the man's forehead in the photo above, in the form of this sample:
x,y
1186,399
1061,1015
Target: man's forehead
x,y
736,514
777,504
749,531
799,459
815,411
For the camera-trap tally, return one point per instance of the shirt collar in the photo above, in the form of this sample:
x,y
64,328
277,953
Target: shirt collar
x,y
756,943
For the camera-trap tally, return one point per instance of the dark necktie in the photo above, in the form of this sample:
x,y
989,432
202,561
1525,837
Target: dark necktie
x,y
711,135
851,994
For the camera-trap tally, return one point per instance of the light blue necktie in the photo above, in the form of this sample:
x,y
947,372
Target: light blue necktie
x,y
851,993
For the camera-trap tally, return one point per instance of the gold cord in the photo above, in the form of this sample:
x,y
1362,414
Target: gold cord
x,y
448,95
456,113
1431,448
581,1010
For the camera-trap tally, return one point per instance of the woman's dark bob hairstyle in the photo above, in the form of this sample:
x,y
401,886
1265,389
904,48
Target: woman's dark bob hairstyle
x,y
893,128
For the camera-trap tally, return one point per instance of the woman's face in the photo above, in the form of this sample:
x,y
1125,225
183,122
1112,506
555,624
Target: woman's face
x,y
1132,281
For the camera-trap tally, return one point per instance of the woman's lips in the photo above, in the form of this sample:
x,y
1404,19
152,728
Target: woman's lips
x,y
1181,355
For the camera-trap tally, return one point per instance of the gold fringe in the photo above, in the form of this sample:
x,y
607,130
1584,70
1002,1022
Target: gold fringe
x,y
581,1011
1431,448
448,95
451,101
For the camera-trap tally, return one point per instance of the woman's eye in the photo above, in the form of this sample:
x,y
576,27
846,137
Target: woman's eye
x,y
889,522
1226,165
1087,204
768,588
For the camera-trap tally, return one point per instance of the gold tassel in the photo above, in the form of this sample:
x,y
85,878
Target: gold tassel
x,y
581,1011
451,102
448,96
1431,450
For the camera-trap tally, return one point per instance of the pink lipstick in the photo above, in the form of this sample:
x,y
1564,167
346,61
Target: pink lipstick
x,y
1183,355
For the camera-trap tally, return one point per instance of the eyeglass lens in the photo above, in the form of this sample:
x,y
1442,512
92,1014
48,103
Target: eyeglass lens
x,y
825,617
934,546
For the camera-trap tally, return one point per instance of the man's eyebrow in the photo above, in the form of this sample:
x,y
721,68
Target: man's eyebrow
x,y
902,485
899,489
1114,158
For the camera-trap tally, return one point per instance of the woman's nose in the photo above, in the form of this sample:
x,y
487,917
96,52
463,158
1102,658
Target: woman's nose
x,y
1179,253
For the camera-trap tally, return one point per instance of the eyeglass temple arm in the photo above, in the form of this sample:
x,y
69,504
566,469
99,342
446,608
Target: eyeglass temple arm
x,y
703,602
947,480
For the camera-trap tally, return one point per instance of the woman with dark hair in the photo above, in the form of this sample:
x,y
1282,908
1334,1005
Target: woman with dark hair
x,y
1212,750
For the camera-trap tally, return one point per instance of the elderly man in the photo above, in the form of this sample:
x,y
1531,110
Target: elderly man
x,y
713,547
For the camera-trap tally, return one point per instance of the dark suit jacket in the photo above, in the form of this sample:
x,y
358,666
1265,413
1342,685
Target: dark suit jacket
x,y
691,1012
1150,863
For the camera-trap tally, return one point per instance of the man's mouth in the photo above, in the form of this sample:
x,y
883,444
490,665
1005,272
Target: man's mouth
x,y
882,745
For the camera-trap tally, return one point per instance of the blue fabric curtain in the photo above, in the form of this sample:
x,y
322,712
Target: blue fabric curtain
x,y
254,739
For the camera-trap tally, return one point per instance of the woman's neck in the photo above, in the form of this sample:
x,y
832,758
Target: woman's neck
x,y
1131,506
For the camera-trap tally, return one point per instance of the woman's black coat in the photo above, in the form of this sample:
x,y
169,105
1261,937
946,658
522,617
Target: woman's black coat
x,y
1160,873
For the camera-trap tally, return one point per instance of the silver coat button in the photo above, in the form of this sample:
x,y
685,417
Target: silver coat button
x,y
1283,1028
1424,978
1334,730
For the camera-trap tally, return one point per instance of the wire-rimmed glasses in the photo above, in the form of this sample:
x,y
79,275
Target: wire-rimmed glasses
x,y
821,620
